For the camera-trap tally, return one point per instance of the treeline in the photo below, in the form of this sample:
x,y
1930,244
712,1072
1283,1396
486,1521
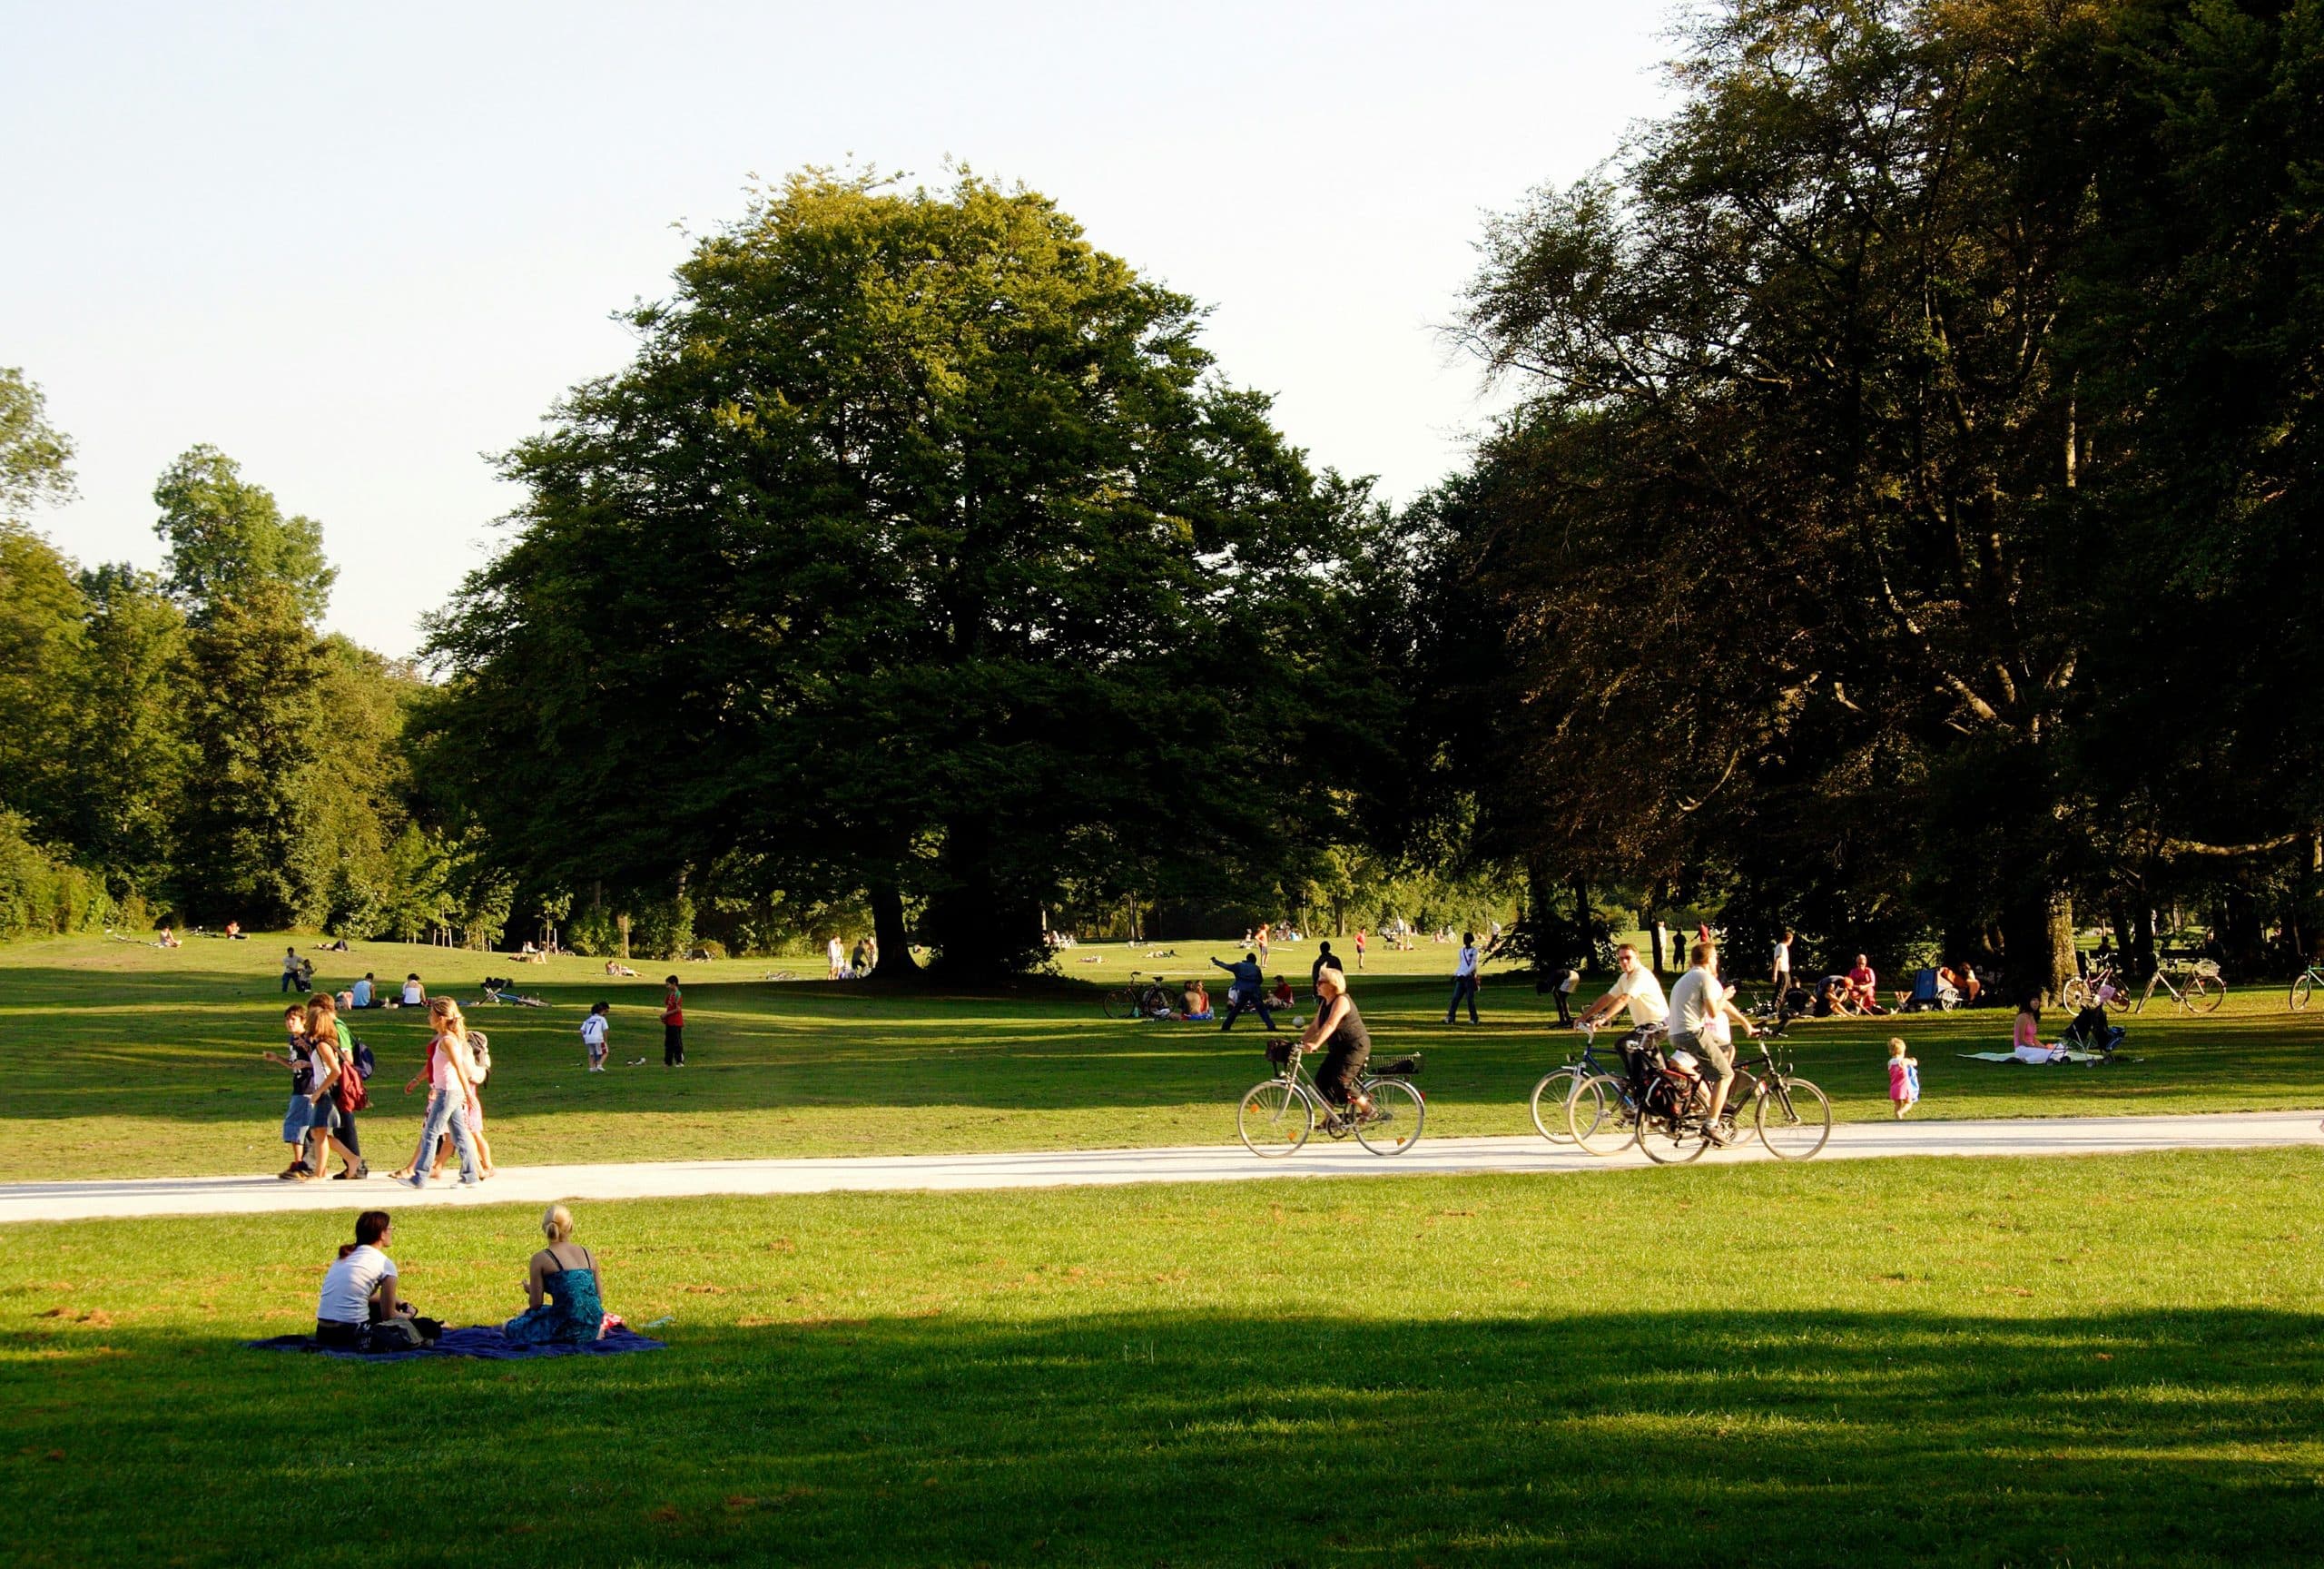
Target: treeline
x,y
1905,532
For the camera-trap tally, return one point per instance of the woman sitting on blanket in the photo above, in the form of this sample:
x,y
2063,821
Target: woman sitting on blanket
x,y
2026,1046
359,1289
565,1274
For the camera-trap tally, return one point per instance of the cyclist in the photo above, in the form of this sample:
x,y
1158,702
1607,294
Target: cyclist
x,y
1699,1010
1338,1028
1634,987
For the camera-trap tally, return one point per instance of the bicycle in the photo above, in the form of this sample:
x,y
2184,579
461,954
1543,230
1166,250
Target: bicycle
x,y
2306,986
1557,1087
2081,990
1656,1106
2202,992
1139,999
1277,1115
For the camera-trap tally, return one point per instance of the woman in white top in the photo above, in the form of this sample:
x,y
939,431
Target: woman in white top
x,y
415,995
359,1289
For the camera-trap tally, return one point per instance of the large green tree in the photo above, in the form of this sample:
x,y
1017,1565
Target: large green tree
x,y
228,536
921,552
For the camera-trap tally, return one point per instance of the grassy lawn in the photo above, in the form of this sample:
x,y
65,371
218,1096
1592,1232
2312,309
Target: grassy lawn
x,y
120,1059
2109,1360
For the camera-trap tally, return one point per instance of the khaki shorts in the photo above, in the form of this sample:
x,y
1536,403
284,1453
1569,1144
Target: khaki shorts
x,y
1717,1061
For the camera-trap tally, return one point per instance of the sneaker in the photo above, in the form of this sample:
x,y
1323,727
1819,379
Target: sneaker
x,y
418,1179
1719,1136
291,1172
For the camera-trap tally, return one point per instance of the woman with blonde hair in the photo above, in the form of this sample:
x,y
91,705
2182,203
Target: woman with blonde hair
x,y
451,1087
565,1289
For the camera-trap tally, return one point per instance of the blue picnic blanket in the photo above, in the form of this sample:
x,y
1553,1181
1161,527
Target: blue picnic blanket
x,y
482,1341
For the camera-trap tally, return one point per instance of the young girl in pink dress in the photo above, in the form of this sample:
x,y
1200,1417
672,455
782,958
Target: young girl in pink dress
x,y
1904,1078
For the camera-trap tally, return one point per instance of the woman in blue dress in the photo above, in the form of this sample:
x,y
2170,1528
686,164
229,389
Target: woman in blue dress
x,y
568,1307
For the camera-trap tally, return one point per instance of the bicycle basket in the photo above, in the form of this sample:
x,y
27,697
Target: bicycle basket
x,y
2207,968
1279,1052
1402,1068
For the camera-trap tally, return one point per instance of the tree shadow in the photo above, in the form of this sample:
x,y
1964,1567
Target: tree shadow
x,y
1622,1437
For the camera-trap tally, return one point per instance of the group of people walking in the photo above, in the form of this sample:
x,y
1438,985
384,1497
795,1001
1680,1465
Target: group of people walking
x,y
329,1069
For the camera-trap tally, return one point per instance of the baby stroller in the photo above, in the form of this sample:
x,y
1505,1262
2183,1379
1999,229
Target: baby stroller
x,y
2093,1031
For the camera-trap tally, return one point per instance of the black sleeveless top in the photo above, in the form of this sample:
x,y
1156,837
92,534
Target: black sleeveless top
x,y
1351,1035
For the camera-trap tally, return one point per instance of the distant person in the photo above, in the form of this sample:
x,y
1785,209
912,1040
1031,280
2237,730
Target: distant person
x,y
1904,1078
1971,987
169,939
359,1289
566,1288
837,956
365,993
1635,987
1261,941
674,1024
2026,1042
415,995
1196,1002
859,964
1862,982
1248,992
595,1030
1781,973
234,930
1324,960
613,969
290,967
1465,979
1560,983
1283,996
332,1126
1359,949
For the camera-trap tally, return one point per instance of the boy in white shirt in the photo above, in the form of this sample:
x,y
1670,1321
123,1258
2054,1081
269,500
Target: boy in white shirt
x,y
593,1030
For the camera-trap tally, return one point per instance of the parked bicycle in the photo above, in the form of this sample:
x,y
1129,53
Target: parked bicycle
x,y
2199,989
1658,1106
2310,982
2101,984
1139,999
1277,1115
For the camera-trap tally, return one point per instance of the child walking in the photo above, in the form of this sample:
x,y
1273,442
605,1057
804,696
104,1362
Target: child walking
x,y
674,1025
1904,1078
593,1030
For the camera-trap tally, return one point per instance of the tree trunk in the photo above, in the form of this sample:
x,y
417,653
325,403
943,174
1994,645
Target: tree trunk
x,y
2037,954
897,967
1579,954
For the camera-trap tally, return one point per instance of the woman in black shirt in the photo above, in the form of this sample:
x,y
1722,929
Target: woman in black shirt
x,y
1338,1028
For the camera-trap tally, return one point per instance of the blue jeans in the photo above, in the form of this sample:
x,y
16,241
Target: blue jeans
x,y
1239,1004
1465,990
446,1107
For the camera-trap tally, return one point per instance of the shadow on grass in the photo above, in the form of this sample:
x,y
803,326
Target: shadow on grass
x,y
1626,1438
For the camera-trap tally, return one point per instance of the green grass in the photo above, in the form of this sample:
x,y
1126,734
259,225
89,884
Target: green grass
x,y
119,1060
2090,1362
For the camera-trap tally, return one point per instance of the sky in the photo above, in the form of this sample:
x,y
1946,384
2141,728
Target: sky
x,y
362,248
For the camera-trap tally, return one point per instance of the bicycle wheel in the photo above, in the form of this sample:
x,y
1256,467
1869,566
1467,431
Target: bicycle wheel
x,y
1598,1118
2074,995
1794,1118
1397,1113
1118,1004
1667,1140
2302,989
1550,1094
1275,1118
2203,994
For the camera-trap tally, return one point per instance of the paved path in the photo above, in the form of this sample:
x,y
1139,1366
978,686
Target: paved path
x,y
1101,1168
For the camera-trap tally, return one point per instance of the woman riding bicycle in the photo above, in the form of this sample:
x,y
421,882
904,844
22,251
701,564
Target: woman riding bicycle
x,y
1338,1028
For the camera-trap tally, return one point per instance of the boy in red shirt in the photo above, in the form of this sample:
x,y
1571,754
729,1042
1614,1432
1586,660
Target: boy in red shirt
x,y
673,1027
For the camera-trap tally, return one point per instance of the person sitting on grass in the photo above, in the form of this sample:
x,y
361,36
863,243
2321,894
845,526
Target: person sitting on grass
x,y
565,1288
1862,981
169,939
1283,996
360,1288
365,994
613,969
1339,1029
2025,1044
415,995
1197,1001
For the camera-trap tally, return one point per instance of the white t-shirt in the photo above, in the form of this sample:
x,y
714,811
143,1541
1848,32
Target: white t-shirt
x,y
593,1031
349,1285
1694,1001
1643,994
411,997
1468,964
1782,956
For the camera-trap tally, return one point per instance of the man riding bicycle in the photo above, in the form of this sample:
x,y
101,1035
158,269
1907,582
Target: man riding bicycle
x,y
1634,987
1339,1029
1699,1007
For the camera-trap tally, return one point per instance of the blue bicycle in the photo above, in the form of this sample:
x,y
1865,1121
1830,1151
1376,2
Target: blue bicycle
x,y
1557,1087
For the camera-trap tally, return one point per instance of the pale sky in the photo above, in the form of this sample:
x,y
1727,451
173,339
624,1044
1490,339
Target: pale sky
x,y
360,248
